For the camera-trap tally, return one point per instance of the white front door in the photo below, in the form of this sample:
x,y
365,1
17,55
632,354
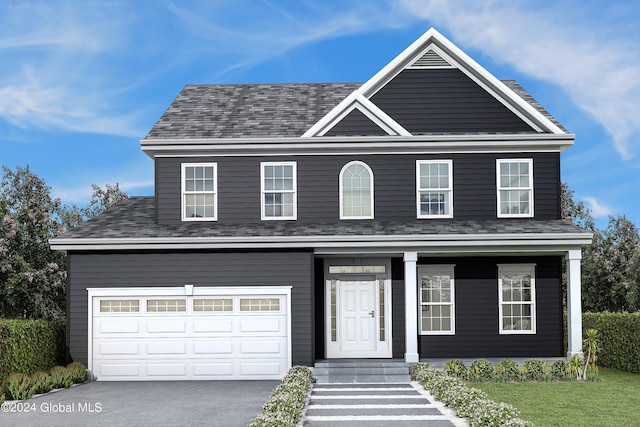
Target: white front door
x,y
358,318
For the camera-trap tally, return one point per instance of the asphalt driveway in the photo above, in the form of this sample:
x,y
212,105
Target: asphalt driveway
x,y
158,403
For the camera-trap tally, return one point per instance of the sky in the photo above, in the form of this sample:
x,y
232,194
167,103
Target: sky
x,y
83,81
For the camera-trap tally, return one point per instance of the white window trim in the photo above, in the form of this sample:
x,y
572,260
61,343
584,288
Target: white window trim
x,y
294,192
438,269
517,269
418,188
183,192
530,187
371,190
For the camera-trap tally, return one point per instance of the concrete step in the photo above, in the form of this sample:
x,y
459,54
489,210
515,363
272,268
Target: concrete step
x,y
361,371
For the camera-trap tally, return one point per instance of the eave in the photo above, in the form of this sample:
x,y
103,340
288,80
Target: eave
x,y
392,144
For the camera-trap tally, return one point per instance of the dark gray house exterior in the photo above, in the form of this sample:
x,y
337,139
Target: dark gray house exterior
x,y
414,216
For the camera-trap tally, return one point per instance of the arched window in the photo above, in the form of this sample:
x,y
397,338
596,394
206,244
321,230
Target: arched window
x,y
356,191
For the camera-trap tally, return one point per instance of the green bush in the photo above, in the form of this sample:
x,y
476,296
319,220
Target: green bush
x,y
537,370
42,382
482,370
19,387
1,399
456,368
619,339
28,346
560,370
285,405
60,377
78,372
507,370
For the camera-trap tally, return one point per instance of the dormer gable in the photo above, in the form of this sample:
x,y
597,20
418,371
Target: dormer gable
x,y
433,87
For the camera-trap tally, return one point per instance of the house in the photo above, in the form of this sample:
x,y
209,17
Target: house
x,y
414,216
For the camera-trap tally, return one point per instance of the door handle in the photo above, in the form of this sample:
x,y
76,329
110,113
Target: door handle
x,y
372,313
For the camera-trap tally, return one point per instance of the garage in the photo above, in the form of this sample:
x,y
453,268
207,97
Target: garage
x,y
189,333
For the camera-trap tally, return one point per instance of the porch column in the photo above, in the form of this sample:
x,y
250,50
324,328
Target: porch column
x,y
574,302
411,307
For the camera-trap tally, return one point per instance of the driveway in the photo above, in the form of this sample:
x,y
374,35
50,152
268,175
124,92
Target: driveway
x,y
158,403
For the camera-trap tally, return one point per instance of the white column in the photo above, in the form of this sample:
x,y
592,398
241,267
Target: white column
x,y
411,307
574,302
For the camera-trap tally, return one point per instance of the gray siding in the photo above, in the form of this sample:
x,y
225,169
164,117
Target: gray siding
x,y
104,270
444,101
356,123
398,318
476,290
474,186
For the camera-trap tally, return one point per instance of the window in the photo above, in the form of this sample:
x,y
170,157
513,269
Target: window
x,y
437,299
166,305
356,191
199,192
278,189
515,187
259,304
213,304
516,297
434,183
119,306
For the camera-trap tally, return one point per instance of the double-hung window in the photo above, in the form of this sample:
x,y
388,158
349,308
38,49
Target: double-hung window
x,y
437,299
199,192
517,298
356,191
515,187
434,184
279,190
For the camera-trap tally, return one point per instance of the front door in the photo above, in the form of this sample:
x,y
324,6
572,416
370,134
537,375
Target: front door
x,y
358,318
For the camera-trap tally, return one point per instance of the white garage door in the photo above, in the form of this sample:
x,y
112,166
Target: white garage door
x,y
189,333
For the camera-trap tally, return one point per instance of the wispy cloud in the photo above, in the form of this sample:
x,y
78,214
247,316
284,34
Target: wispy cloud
x,y
599,69
598,209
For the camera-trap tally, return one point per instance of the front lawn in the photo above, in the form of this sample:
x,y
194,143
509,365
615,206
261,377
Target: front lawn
x,y
613,401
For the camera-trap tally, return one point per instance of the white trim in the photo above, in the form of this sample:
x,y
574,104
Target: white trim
x,y
428,269
371,190
294,192
518,269
183,191
528,188
411,307
449,189
391,144
574,302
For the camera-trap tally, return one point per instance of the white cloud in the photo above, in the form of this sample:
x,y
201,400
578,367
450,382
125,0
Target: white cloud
x,y
554,42
597,209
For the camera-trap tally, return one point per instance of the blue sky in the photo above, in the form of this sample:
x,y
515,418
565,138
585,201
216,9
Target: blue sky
x,y
81,82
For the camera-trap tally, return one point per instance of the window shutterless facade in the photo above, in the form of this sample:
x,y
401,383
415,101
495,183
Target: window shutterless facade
x,y
199,192
515,187
278,188
356,191
517,298
437,299
434,185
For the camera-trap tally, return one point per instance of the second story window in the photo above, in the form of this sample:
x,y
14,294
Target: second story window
x,y
434,183
278,188
199,192
515,187
356,191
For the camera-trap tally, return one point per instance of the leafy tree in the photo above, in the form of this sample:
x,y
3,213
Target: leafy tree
x,y
575,212
102,199
32,277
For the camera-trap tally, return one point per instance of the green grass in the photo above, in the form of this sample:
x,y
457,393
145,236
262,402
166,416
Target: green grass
x,y
613,401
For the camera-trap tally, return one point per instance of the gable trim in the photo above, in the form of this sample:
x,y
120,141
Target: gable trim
x,y
366,107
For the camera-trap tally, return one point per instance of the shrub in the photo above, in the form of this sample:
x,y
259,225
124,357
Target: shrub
x,y
508,370
28,346
619,335
537,370
78,372
469,403
285,405
560,370
42,382
19,387
1,399
456,368
60,377
482,370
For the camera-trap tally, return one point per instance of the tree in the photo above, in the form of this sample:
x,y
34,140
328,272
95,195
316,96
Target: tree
x,y
575,212
102,199
32,276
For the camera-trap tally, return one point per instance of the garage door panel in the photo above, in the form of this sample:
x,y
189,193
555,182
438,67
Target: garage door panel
x,y
202,343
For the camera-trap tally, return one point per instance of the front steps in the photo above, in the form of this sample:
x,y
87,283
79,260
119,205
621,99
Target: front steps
x,y
361,371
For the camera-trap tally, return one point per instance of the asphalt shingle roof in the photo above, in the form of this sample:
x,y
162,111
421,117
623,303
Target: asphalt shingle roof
x,y
261,110
135,218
